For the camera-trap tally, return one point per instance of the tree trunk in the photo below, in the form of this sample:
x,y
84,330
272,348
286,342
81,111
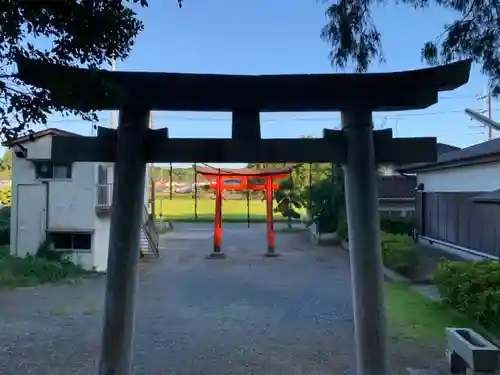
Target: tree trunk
x,y
289,214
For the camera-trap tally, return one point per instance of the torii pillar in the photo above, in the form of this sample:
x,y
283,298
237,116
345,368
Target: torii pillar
x,y
356,146
361,192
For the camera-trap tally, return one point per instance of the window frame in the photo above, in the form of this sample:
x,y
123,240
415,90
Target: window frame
x,y
72,238
50,176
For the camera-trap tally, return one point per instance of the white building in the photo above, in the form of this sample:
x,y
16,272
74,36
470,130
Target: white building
x,y
458,201
71,203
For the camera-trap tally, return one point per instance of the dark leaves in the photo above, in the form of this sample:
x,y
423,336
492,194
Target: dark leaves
x,y
288,198
352,35
475,34
430,53
85,33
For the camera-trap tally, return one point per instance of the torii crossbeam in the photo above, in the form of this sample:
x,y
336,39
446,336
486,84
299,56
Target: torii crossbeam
x,y
357,146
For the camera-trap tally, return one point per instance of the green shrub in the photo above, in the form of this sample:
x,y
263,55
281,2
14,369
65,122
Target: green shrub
x,y
393,226
328,202
472,288
326,222
398,253
16,271
5,214
46,251
342,230
47,266
4,235
4,226
397,225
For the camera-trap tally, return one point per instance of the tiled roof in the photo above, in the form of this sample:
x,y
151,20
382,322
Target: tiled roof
x,y
41,134
442,151
397,187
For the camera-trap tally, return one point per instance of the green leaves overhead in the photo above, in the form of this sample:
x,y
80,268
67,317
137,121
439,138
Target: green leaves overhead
x,y
354,37
352,34
84,33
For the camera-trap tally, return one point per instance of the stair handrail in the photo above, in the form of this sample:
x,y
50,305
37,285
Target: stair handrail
x,y
149,227
151,242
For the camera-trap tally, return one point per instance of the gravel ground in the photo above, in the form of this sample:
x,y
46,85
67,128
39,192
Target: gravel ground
x,y
242,315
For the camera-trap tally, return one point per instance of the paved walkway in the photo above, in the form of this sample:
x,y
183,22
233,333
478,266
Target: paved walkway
x,y
242,315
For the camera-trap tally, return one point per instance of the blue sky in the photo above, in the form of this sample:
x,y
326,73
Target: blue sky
x,y
272,37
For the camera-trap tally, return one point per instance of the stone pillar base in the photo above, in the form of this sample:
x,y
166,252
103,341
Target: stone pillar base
x,y
216,255
271,253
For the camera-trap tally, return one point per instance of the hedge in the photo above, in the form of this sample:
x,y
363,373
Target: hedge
x,y
4,226
326,223
398,253
401,226
397,225
342,228
472,288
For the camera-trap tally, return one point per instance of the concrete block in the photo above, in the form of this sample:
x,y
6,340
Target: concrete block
x,y
456,365
472,372
479,354
424,371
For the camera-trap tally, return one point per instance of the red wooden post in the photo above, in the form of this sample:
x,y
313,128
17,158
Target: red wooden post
x,y
217,253
269,218
268,187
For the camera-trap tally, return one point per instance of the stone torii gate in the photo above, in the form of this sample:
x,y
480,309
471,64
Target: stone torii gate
x,y
356,146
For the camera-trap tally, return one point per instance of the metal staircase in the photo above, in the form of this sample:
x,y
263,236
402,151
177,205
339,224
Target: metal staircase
x,y
149,241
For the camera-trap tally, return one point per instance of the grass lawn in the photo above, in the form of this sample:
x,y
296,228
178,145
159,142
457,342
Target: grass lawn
x,y
183,209
412,316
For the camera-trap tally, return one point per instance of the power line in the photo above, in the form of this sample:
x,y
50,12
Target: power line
x,y
458,97
292,118
112,114
487,98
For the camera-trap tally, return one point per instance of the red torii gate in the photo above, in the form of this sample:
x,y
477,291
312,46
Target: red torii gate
x,y
246,176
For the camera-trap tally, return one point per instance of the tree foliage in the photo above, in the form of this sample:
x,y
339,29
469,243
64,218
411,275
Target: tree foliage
x,y
288,200
6,166
354,37
328,200
185,175
84,33
6,195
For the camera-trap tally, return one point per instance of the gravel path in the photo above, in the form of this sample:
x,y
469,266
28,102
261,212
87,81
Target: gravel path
x,y
242,315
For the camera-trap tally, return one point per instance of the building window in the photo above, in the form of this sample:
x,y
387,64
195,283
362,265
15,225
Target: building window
x,y
71,241
396,213
410,213
48,170
391,214
385,214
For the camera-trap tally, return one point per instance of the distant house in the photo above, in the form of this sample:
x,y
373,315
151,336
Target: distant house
x,y
458,200
397,191
68,203
396,197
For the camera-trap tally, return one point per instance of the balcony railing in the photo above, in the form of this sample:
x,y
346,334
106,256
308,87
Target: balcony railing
x,y
104,195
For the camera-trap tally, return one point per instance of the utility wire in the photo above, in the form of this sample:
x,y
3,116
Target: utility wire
x,y
304,119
